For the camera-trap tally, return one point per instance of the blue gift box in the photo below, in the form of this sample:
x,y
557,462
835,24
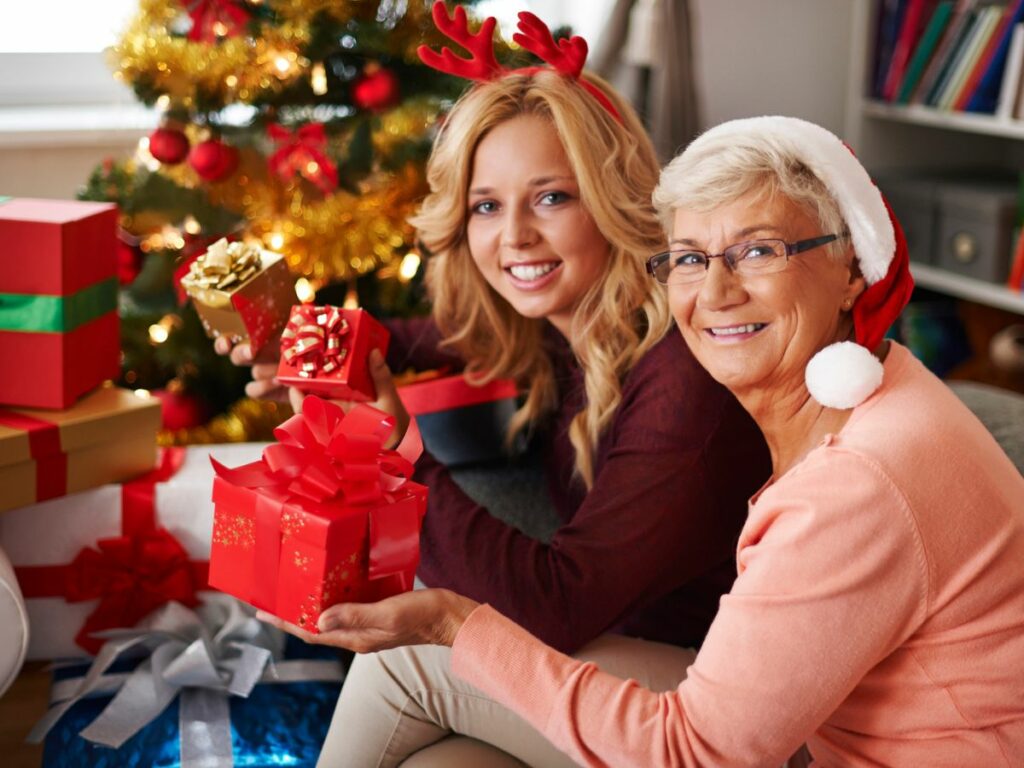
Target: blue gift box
x,y
279,724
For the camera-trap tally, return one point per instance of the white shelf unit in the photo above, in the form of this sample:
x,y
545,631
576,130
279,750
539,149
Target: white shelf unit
x,y
887,137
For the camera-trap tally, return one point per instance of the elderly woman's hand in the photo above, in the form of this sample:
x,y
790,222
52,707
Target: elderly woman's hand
x,y
421,617
264,384
387,397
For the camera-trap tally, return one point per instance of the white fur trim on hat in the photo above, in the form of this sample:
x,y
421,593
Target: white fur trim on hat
x,y
859,200
843,375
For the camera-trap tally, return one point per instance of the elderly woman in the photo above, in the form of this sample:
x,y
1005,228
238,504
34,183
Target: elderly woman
x,y
879,609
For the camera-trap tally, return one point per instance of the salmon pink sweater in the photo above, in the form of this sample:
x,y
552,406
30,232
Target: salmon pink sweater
x,y
878,614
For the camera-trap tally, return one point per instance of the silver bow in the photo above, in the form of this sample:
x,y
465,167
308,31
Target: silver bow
x,y
220,649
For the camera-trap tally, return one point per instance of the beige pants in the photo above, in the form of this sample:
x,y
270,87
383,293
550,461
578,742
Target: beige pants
x,y
402,707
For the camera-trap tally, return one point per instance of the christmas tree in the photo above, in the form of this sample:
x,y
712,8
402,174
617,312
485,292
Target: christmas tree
x,y
300,125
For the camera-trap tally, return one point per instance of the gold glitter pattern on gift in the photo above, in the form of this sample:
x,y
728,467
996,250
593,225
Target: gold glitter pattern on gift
x,y
233,530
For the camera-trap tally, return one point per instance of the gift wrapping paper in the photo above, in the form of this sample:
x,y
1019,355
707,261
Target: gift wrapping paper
x,y
52,534
107,436
325,516
241,292
59,330
325,351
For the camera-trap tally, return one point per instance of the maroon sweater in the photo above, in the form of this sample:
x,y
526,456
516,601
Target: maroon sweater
x,y
650,549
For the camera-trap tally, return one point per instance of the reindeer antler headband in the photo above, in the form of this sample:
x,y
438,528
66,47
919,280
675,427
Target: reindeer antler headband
x,y
566,56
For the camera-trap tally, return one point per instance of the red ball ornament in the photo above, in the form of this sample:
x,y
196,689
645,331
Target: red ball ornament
x,y
213,160
377,90
129,263
180,410
168,145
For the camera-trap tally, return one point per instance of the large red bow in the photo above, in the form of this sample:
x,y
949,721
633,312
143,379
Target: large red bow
x,y
213,19
132,576
324,453
303,152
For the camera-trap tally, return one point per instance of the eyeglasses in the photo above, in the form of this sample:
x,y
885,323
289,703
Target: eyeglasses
x,y
755,257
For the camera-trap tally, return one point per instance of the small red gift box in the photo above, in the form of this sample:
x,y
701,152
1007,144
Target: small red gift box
x,y
59,331
326,516
325,349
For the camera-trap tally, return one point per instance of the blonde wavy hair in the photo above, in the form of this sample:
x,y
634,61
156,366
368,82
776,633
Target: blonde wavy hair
x,y
618,320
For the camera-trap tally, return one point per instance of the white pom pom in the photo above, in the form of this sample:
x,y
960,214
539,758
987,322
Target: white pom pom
x,y
843,375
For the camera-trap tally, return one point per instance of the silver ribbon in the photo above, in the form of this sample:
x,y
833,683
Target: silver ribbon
x,y
220,649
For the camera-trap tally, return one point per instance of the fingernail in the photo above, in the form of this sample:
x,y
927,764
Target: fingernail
x,y
327,622
245,353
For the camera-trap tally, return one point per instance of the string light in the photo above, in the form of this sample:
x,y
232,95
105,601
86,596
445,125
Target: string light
x,y
351,298
144,394
191,225
304,290
158,334
276,240
409,267
163,102
318,79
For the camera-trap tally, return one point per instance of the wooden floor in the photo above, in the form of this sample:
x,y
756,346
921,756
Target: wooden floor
x,y
20,707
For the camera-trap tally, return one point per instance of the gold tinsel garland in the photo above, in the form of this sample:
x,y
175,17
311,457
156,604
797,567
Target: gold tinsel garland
x,y
246,421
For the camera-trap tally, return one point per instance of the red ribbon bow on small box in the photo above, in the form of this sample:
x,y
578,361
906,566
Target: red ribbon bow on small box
x,y
313,339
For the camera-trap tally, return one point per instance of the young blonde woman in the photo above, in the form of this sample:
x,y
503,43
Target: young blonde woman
x,y
538,222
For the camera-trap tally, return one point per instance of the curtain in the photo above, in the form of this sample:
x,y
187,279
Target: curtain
x,y
646,51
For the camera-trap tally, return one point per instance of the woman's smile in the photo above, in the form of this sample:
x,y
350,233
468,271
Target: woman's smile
x,y
731,334
534,275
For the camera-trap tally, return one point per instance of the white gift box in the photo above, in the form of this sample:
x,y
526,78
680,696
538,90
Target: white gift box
x,y
13,626
54,532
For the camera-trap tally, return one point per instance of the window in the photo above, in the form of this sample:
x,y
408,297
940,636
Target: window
x,y
51,52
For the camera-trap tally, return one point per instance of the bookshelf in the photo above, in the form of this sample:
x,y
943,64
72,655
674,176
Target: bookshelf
x,y
891,137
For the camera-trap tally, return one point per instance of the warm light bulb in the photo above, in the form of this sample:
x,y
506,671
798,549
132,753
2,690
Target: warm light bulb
x,y
231,81
304,290
191,225
318,79
409,266
158,334
220,29
351,299
163,102
145,394
282,64
276,241
312,167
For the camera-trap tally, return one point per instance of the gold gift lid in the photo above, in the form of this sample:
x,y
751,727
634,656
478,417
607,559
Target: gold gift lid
x,y
108,414
225,267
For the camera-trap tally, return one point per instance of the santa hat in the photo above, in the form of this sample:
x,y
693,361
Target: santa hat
x,y
844,374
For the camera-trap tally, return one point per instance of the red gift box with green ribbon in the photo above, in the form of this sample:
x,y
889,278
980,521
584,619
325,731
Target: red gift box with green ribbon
x,y
325,351
59,331
327,515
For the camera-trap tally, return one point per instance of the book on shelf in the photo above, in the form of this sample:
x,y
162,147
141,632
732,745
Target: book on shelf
x,y
1009,91
926,46
953,59
890,19
947,44
1004,26
1015,282
986,95
914,19
988,19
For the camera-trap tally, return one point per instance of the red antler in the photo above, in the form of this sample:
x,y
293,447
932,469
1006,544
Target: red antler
x,y
567,56
482,65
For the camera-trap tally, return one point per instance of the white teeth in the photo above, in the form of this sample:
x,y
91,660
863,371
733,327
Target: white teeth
x,y
531,271
737,329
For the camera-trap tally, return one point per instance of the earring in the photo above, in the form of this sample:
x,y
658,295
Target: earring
x,y
847,303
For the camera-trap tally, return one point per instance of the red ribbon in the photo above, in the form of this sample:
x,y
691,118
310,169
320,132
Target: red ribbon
x,y
303,152
131,574
312,341
45,449
207,14
323,455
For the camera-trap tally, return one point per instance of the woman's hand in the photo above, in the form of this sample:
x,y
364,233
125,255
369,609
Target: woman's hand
x,y
264,384
387,397
420,617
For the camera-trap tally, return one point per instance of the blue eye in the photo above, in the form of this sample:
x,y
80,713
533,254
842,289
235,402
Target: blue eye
x,y
553,198
759,251
484,206
689,259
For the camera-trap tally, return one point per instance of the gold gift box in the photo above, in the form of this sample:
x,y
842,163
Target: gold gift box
x,y
106,437
241,291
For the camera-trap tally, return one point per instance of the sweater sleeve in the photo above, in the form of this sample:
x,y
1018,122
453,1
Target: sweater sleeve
x,y
415,343
652,521
833,578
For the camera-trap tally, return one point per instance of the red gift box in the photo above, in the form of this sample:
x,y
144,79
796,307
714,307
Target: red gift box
x,y
59,331
325,349
326,516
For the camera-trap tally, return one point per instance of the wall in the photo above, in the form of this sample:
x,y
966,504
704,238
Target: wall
x,y
763,57
753,57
